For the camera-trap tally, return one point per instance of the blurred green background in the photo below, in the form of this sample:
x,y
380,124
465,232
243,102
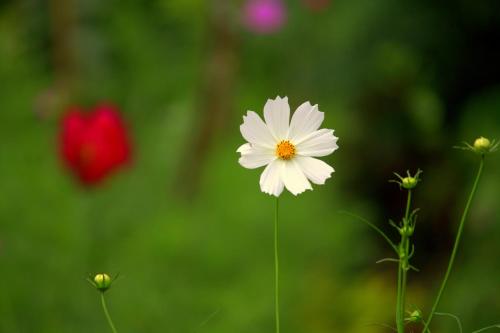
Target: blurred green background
x,y
401,82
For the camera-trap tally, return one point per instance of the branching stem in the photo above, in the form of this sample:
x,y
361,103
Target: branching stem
x,y
403,267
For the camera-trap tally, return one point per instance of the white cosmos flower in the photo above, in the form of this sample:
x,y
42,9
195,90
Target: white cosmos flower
x,y
287,148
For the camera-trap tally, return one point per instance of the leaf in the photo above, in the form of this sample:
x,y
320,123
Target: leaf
x,y
373,226
382,325
452,316
387,260
487,328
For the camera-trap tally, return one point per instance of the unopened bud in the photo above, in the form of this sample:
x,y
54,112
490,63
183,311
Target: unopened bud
x,y
415,316
409,182
482,145
406,231
102,281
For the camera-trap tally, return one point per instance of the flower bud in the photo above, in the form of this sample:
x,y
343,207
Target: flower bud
x,y
409,182
102,281
406,231
482,145
415,316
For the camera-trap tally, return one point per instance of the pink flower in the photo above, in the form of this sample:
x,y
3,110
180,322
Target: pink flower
x,y
264,16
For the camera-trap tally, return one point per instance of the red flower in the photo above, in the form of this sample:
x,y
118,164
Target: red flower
x,y
94,144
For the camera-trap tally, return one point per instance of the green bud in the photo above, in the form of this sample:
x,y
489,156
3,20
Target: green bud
x,y
406,231
409,182
415,316
482,145
102,281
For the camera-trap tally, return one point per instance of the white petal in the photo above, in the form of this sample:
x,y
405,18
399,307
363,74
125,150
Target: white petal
x,y
254,130
244,148
318,143
254,156
305,120
294,179
270,180
277,116
315,170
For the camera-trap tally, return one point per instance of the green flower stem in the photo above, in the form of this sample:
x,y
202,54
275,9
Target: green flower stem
x,y
404,278
404,247
399,322
455,246
108,317
408,203
425,323
276,269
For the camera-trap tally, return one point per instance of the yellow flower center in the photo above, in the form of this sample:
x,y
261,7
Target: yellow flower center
x,y
285,150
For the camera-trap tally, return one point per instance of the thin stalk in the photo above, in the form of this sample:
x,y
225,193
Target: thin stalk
x,y
455,246
425,323
403,271
399,323
106,312
408,203
404,280
276,269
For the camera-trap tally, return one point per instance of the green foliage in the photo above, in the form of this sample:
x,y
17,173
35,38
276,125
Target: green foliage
x,y
384,74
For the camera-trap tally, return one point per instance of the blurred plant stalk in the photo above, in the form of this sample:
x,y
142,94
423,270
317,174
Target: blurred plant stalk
x,y
63,24
216,93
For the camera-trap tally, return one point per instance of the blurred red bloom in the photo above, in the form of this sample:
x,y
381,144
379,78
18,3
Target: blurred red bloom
x,y
94,144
